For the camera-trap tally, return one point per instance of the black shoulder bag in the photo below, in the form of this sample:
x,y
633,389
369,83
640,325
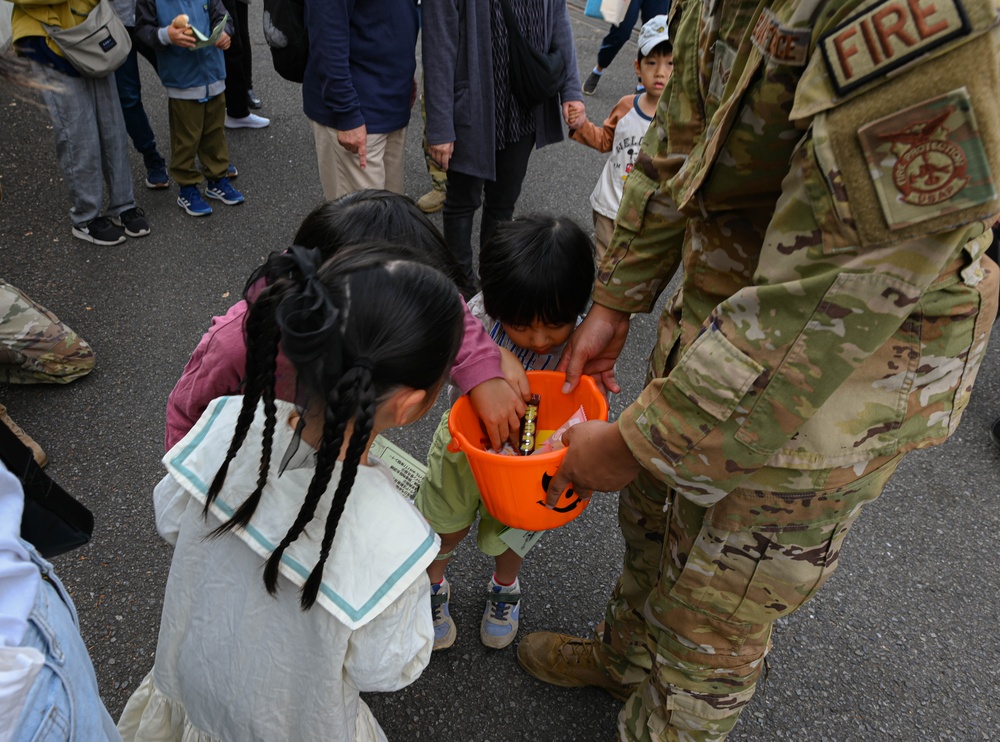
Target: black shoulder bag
x,y
534,76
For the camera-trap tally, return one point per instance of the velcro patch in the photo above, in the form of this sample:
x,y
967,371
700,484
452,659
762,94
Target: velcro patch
x,y
888,35
781,45
928,160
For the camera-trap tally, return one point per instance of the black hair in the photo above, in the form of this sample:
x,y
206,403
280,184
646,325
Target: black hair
x,y
371,215
537,267
661,50
362,325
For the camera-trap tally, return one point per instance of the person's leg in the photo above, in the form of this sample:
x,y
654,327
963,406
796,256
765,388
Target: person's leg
x,y
78,149
501,195
236,84
727,573
340,171
392,161
114,146
649,9
462,199
604,228
433,200
64,699
186,122
213,148
35,347
618,36
243,29
130,96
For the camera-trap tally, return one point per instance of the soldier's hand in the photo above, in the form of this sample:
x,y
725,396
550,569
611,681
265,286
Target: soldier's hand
x,y
593,349
596,459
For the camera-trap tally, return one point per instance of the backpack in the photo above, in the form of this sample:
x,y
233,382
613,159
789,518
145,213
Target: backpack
x,y
287,38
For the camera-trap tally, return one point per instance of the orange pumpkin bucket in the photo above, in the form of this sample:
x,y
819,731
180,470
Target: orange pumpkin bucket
x,y
513,487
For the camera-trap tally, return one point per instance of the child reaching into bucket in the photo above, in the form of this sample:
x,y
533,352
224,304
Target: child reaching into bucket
x,y
537,273
341,606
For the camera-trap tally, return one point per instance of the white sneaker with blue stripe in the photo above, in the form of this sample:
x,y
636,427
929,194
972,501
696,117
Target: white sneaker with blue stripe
x,y
500,619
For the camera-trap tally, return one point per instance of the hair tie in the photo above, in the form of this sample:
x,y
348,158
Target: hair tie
x,y
366,363
307,317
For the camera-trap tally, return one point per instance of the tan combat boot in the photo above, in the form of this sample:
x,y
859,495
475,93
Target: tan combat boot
x,y
40,458
566,661
432,201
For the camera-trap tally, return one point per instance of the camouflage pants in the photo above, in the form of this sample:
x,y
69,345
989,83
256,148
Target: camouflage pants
x,y
439,177
35,347
690,619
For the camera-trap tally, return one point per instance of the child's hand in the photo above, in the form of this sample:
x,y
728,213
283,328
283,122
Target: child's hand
x,y
499,408
513,372
224,41
180,33
574,113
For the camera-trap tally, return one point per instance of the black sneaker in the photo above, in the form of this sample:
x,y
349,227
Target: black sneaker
x,y
590,86
100,231
252,100
995,432
134,222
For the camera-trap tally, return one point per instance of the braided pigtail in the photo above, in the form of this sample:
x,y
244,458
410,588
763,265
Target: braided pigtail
x,y
359,381
260,330
264,389
335,423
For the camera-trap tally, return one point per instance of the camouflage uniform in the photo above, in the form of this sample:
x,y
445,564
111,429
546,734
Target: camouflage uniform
x,y
823,173
35,347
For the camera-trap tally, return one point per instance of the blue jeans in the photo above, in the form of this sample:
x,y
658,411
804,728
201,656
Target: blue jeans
x,y
63,703
91,144
130,94
619,35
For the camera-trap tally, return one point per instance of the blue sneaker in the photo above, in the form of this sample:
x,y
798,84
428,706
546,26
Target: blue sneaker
x,y
500,619
232,172
192,202
156,178
445,630
223,190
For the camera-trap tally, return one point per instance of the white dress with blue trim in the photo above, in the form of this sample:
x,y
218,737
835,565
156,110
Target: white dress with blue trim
x,y
232,662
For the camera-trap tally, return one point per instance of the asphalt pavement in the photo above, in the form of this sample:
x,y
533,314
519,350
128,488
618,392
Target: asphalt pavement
x,y
902,644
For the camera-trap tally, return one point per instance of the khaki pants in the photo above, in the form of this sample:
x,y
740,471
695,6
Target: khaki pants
x,y
340,172
603,229
198,129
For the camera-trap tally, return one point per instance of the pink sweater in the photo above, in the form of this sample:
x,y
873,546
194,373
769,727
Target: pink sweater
x,y
219,362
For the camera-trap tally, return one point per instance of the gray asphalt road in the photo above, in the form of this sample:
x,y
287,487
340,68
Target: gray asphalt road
x,y
902,644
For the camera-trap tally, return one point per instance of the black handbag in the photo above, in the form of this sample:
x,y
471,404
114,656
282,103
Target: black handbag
x,y
534,76
53,522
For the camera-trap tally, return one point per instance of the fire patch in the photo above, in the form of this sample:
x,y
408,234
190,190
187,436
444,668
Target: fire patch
x,y
887,36
928,160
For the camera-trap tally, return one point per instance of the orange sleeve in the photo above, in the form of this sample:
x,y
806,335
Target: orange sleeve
x,y
603,138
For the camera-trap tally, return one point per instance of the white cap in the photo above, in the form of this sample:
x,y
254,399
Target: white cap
x,y
653,32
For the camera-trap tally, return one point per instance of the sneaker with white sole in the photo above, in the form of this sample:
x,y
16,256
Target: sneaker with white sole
x,y
250,121
445,630
133,221
222,190
500,619
590,86
100,231
192,202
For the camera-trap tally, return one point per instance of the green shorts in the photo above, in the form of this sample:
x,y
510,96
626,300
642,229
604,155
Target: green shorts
x,y
449,497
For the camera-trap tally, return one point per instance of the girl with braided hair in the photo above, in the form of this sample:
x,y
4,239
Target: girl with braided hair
x,y
298,577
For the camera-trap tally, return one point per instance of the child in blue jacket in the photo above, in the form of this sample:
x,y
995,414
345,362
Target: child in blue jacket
x,y
195,79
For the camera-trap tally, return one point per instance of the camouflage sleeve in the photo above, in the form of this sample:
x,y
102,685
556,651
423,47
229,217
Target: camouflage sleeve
x,y
35,346
883,206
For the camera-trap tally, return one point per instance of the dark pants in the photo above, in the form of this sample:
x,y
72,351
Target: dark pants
x,y
465,195
239,61
619,35
130,94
